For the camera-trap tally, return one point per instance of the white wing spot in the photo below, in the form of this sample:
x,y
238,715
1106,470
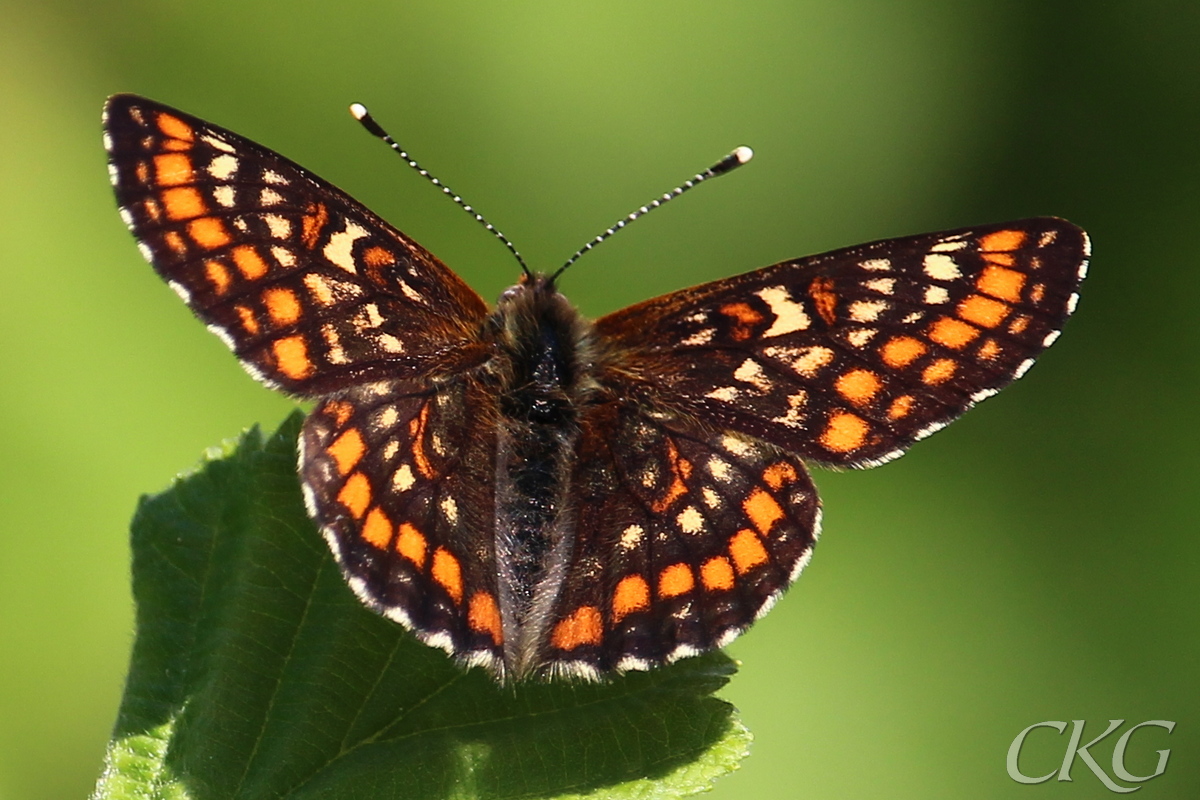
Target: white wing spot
x,y
269,197
217,142
339,251
794,417
1050,338
336,354
913,317
867,310
881,285
806,361
390,449
631,537
225,196
223,167
727,394
876,265
270,176
280,227
182,291
1046,238
861,336
789,315
736,445
936,295
1022,368
285,257
411,293
751,372
711,498
701,337
941,267
948,246
403,478
719,469
387,417
390,343
690,520
1072,302
450,509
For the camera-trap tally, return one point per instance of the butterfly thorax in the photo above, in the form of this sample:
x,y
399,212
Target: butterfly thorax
x,y
543,374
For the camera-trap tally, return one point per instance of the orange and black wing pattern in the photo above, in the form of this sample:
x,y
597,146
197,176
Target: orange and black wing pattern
x,y
849,357
311,291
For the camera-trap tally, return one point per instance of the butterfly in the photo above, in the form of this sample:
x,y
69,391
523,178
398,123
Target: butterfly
x,y
543,495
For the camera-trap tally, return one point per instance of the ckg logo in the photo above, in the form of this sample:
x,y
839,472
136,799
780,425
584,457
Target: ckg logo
x,y
1074,748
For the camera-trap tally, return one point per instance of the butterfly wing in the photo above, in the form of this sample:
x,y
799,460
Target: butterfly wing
x,y
311,290
849,357
400,478
683,537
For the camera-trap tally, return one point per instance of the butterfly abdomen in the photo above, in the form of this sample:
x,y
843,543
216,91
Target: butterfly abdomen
x,y
540,370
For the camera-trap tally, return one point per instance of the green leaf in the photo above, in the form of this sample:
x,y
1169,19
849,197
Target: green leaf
x,y
256,673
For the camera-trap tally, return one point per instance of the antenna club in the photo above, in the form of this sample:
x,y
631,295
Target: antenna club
x,y
359,111
743,154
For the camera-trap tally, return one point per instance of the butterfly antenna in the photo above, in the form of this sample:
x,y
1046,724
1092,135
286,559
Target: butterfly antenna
x,y
727,164
363,116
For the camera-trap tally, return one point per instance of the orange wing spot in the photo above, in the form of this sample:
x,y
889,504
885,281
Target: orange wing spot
x,y
416,429
900,351
175,242
983,311
900,407
142,171
217,275
339,410
448,573
1005,284
1000,259
717,573
347,449
314,222
1019,324
411,544
939,371
172,169
952,333
175,127
1002,241
778,474
377,257
377,529
208,232
249,322
291,355
183,202
744,317
175,144
988,350
824,298
632,594
483,616
1037,292
859,386
249,262
844,432
747,551
681,469
675,580
356,494
153,209
763,510
585,626
282,305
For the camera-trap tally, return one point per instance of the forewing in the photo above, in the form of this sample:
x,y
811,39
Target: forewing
x,y
849,357
399,477
683,537
310,290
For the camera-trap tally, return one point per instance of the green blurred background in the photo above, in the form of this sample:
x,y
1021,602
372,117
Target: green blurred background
x,y
1036,561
